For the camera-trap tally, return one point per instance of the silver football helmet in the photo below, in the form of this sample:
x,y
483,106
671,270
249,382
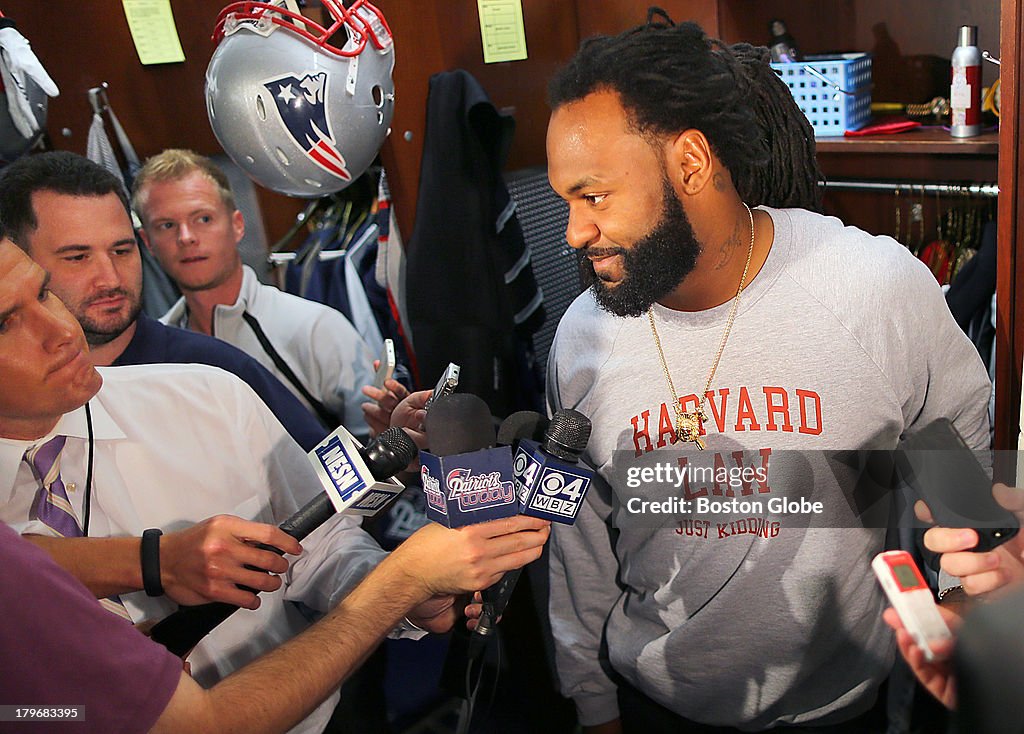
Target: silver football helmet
x,y
13,144
299,115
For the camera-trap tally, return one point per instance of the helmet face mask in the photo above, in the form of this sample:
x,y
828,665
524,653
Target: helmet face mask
x,y
364,19
302,116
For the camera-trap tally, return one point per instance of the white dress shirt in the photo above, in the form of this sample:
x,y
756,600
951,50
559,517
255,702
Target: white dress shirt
x,y
173,445
318,344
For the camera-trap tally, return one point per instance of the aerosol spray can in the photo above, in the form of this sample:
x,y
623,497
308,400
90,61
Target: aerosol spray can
x,y
965,91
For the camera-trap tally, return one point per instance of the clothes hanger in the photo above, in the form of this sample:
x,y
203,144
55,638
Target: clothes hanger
x,y
300,219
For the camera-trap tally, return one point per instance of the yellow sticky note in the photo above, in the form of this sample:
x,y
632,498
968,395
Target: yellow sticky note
x,y
502,30
151,23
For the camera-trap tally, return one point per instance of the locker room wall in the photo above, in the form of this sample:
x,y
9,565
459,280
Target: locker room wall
x,y
82,44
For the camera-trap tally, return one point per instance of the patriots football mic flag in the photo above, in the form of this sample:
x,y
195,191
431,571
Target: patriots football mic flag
x,y
466,479
301,104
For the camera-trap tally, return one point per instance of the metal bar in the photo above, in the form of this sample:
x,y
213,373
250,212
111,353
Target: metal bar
x,y
986,190
98,98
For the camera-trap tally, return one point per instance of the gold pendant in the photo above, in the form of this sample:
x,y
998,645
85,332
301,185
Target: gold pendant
x,y
688,427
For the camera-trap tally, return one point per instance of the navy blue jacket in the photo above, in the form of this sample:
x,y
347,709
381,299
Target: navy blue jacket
x,y
156,343
470,290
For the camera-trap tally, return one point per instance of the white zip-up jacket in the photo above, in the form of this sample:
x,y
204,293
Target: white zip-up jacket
x,y
320,345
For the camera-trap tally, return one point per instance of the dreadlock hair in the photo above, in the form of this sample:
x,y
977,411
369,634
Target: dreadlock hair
x,y
791,176
671,78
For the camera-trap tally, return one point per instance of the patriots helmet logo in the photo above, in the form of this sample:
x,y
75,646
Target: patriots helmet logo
x,y
302,109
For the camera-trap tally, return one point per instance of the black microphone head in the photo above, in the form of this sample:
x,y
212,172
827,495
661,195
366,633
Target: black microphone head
x,y
567,434
523,424
459,423
389,453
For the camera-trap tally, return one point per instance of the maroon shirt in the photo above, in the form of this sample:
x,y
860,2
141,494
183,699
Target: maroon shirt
x,y
59,647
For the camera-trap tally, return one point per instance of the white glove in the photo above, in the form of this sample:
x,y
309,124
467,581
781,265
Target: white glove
x,y
18,63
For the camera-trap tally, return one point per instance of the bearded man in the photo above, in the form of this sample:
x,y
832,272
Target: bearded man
x,y
733,344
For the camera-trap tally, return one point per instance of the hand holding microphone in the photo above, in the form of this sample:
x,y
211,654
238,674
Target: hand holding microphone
x,y
213,560
548,479
350,476
462,560
466,479
528,424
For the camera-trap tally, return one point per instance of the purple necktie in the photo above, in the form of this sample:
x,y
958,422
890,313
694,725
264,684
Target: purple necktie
x,y
52,506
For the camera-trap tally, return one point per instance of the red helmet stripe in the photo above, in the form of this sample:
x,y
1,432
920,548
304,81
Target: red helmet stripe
x,y
316,153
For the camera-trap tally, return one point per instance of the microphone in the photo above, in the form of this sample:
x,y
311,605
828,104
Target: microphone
x,y
524,424
549,480
356,480
466,479
457,424
549,484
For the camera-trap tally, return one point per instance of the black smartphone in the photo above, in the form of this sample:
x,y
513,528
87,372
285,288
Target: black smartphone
x,y
945,473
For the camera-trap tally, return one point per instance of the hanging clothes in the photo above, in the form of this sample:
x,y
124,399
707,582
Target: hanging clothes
x,y
331,267
159,293
472,296
970,295
334,281
385,285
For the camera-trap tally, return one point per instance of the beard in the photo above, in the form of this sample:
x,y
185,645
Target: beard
x,y
654,266
99,332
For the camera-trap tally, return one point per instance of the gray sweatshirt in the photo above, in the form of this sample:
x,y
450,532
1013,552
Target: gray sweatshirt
x,y
749,616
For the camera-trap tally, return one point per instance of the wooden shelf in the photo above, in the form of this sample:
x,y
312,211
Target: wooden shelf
x,y
924,140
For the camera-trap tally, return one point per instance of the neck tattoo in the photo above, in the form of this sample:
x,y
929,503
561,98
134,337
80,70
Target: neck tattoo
x,y
690,424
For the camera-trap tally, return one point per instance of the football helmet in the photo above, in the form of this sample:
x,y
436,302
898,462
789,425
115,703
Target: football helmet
x,y
25,88
301,115
13,144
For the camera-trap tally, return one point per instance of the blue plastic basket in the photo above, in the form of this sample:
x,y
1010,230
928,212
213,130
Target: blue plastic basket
x,y
834,92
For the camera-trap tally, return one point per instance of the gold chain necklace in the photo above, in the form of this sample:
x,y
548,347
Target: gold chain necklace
x,y
688,425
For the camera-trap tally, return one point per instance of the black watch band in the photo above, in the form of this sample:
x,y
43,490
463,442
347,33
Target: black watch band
x,y
150,557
